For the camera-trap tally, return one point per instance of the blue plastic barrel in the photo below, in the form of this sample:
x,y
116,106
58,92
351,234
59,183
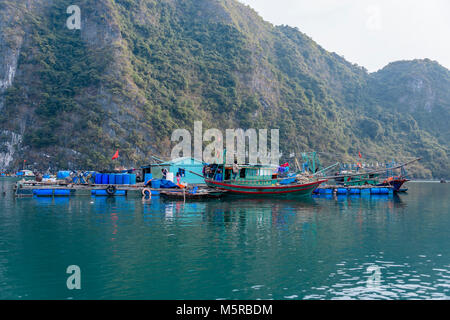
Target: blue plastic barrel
x,y
112,178
105,179
104,193
384,190
126,179
375,190
119,179
43,192
148,177
132,179
365,191
156,184
61,192
355,191
341,191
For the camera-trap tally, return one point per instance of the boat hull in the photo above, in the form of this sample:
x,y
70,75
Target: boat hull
x,y
396,184
255,190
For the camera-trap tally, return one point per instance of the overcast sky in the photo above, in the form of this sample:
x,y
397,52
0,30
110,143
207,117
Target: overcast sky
x,y
371,33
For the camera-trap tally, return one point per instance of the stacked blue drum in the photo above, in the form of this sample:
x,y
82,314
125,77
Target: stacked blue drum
x,y
115,178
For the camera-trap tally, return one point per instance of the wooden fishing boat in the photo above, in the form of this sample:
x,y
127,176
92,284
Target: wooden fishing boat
x,y
374,178
261,181
395,182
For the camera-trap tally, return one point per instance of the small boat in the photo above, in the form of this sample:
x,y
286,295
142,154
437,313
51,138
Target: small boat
x,y
193,194
261,181
443,180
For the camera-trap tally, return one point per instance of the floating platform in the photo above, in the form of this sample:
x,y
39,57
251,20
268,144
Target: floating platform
x,y
353,190
26,189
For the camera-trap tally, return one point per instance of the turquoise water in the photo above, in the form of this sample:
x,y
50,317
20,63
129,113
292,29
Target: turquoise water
x,y
228,249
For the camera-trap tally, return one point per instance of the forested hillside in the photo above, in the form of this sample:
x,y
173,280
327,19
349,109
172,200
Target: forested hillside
x,y
138,69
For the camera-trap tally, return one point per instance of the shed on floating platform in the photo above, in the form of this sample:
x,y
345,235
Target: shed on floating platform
x,y
179,165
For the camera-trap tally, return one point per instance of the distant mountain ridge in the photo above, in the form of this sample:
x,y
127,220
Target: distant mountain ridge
x,y
138,69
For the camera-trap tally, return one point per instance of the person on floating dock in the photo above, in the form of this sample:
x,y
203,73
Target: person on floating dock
x,y
164,173
38,177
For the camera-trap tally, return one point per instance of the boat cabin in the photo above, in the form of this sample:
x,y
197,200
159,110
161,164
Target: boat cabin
x,y
247,174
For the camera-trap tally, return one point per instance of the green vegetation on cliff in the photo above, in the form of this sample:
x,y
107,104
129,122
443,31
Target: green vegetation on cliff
x,y
138,69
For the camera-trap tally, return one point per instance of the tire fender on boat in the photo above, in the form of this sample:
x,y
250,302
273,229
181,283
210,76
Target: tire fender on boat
x,y
111,190
146,192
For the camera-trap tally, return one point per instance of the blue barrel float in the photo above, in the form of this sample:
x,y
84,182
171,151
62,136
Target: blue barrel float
x,y
132,179
105,194
341,191
105,179
354,191
43,192
126,179
62,192
119,179
112,178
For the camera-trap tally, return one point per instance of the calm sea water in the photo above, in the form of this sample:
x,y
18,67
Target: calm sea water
x,y
228,249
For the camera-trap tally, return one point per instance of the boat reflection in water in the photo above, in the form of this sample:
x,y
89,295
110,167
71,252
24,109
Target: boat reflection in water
x,y
236,211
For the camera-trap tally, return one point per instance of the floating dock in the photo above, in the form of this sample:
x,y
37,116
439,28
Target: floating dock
x,y
26,189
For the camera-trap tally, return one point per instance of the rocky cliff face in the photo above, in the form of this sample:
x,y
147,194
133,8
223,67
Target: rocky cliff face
x,y
138,69
11,41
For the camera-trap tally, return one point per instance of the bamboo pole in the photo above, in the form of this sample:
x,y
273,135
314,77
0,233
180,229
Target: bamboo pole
x,y
375,171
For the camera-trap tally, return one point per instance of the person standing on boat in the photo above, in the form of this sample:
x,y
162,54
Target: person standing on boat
x,y
236,169
164,173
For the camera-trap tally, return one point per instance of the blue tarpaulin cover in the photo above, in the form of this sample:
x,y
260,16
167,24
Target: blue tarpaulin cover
x,y
166,184
62,175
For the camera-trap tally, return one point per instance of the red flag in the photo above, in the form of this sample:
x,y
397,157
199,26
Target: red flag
x,y
360,154
116,155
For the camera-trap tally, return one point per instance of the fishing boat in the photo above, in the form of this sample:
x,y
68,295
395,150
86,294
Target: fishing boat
x,y
261,181
396,182
379,178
